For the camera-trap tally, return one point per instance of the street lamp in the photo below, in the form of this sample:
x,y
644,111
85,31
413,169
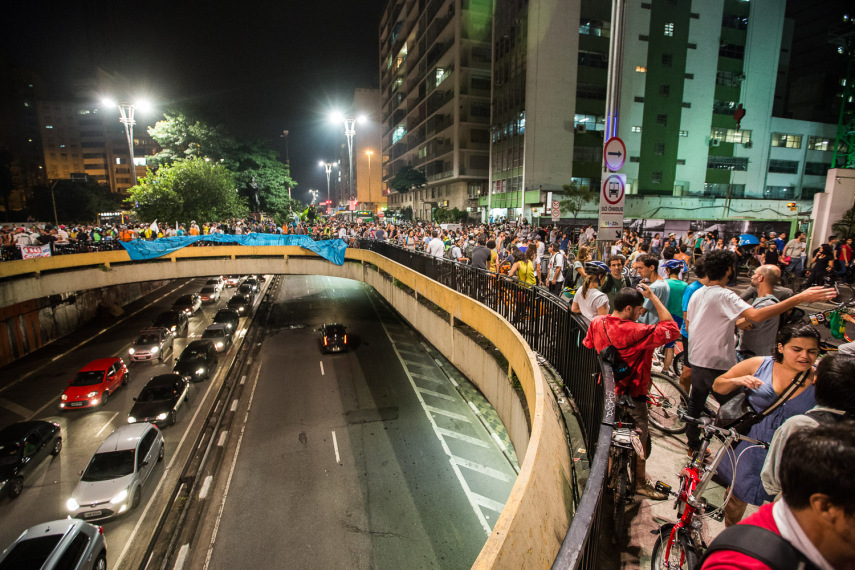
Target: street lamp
x,y
349,131
368,153
126,117
314,194
328,166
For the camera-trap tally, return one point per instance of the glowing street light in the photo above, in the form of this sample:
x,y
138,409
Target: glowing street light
x,y
328,166
126,117
349,131
368,153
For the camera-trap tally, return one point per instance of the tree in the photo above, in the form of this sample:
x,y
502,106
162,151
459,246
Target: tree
x,y
407,213
190,189
180,136
408,178
845,226
575,198
256,161
75,201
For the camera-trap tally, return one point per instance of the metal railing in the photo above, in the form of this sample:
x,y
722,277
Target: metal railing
x,y
554,332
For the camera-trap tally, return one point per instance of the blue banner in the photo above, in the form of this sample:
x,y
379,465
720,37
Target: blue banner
x,y
140,250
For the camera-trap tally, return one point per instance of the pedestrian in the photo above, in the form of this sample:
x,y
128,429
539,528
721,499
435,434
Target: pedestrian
x,y
590,301
647,267
481,254
435,247
758,339
555,270
676,288
615,280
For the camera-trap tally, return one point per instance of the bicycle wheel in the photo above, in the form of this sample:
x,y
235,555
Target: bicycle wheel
x,y
677,363
682,555
620,495
667,400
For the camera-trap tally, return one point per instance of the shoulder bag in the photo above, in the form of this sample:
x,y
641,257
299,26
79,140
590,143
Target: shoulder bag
x,y
737,413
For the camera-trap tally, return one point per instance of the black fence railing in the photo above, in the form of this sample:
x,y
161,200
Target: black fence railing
x,y
555,333
13,252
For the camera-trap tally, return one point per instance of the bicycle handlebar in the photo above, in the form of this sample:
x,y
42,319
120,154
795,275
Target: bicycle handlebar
x,y
706,425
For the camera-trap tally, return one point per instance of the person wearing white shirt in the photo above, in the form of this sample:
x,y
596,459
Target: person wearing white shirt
x,y
435,247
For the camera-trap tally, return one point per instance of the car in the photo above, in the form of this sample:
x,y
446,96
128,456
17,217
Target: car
x,y
112,482
334,337
217,282
240,304
198,361
150,344
209,294
253,282
175,322
247,291
160,400
228,317
94,383
67,544
232,280
220,335
189,304
23,447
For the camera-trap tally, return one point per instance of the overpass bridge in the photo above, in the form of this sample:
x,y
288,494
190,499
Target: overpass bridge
x,y
544,522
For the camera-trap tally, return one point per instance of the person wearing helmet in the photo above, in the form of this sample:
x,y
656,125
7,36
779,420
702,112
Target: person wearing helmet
x,y
589,300
676,288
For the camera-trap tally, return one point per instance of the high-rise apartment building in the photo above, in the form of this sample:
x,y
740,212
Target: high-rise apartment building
x,y
435,59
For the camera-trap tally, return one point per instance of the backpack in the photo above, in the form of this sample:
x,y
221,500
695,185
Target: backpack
x,y
470,247
826,417
448,253
761,544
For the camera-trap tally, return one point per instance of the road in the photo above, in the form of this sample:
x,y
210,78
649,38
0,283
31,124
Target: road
x,y
365,459
31,388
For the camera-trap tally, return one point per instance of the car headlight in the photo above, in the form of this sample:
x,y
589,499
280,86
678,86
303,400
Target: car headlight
x,y
155,350
64,397
72,505
200,371
172,328
240,309
162,416
121,496
91,394
132,420
220,345
131,351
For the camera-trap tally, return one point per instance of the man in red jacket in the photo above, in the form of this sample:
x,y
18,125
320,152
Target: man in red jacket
x,y
635,342
815,518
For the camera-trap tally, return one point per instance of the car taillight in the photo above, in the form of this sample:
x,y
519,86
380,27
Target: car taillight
x,y
100,530
345,339
325,340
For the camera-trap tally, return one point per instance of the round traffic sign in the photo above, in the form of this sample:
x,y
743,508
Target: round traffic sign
x,y
613,189
614,153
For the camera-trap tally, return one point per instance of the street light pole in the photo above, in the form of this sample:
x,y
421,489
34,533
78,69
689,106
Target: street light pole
x,y
126,117
368,153
349,131
284,135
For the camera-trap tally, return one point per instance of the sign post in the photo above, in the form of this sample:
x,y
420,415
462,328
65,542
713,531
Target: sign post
x,y
556,211
614,154
612,198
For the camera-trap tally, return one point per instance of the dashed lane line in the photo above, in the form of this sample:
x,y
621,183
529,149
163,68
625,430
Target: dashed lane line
x,y
482,469
462,437
488,503
15,408
442,412
435,394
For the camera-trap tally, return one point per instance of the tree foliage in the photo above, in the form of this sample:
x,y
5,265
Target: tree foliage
x,y
575,198
845,226
407,213
443,215
408,178
76,202
188,189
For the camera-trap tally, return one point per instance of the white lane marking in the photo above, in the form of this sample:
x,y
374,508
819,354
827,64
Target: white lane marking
x,y
322,367
223,435
335,446
460,417
482,469
73,348
470,496
15,408
489,503
206,486
234,405
105,426
462,437
435,394
428,378
182,557
231,473
242,379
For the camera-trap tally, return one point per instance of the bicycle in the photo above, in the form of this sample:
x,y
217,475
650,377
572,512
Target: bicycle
x,y
622,452
831,318
666,400
681,545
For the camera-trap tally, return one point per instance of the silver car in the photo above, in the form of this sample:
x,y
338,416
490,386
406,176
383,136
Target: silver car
x,y
152,343
67,543
112,482
217,282
220,335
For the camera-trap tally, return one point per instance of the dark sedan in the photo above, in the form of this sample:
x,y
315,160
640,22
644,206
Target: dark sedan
x,y
23,447
228,317
334,337
160,400
198,361
189,304
174,321
240,304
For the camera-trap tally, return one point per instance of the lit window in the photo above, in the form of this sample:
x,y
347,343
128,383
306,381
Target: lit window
x,y
669,29
641,69
786,140
684,133
48,126
636,129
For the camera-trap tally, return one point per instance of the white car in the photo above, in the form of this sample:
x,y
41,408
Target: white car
x,y
217,282
220,335
67,544
233,280
112,482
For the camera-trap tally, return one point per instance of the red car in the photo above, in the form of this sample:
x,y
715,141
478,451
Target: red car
x,y
94,383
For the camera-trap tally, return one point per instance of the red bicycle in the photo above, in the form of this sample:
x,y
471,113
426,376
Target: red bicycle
x,y
681,545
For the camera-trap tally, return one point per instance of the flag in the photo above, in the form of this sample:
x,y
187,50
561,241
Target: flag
x,y
153,227
33,251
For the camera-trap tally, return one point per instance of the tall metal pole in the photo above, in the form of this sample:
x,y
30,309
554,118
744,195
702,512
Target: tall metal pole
x,y
126,117
368,153
349,131
284,135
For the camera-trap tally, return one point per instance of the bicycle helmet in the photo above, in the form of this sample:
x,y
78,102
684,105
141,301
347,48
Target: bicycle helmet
x,y
673,264
596,267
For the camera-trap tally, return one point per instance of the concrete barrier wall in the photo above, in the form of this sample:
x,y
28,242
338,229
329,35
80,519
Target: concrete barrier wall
x,y
529,532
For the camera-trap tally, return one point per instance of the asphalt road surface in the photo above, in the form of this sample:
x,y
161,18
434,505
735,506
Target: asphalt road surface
x,y
31,387
369,458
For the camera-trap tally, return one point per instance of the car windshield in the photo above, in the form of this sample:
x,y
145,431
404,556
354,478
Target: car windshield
x,y
223,318
166,320
244,289
148,339
191,354
155,394
32,553
212,282
9,453
109,465
89,378
209,290
335,330
237,299
185,300
215,333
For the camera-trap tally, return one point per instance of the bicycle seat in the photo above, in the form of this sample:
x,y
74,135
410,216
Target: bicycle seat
x,y
626,402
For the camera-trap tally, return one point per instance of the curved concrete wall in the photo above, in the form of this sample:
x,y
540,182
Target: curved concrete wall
x,y
535,520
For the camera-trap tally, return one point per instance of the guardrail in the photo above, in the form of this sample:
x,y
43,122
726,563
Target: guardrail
x,y
552,330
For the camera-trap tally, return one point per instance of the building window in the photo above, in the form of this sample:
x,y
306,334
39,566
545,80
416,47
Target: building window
x,y
690,76
665,90
667,58
635,159
694,15
732,51
721,107
687,105
640,69
727,163
669,29
636,129
662,120
660,149
643,38
593,27
779,193
645,5
785,140
593,59
784,166
639,99
590,91
728,78
590,122
398,133
720,190
816,168
656,177
681,161
692,46
809,193
821,143
684,133
730,135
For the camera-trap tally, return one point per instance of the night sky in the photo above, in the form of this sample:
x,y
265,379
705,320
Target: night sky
x,y
261,67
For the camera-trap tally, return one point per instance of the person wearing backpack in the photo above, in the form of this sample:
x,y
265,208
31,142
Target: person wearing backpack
x,y
813,525
615,280
834,392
